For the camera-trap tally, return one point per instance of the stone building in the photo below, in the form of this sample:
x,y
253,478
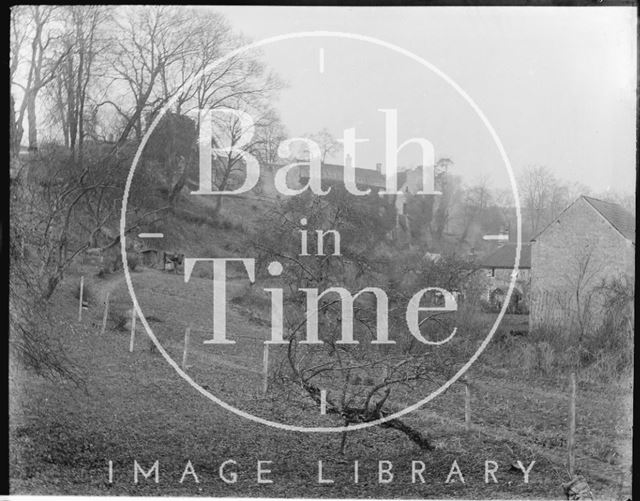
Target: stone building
x,y
498,267
589,243
334,174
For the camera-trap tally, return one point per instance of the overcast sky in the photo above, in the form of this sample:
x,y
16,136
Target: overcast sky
x,y
557,84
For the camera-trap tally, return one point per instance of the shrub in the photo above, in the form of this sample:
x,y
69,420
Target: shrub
x,y
546,357
613,339
606,352
133,260
527,357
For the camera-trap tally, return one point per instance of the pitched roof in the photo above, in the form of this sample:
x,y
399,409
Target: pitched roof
x,y
617,216
505,257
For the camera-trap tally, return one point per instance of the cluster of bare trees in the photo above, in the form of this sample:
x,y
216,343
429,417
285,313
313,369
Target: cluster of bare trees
x,y
86,84
466,211
460,215
90,80
98,72
543,196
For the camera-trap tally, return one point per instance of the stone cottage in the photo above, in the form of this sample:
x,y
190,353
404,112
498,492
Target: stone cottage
x,y
498,267
590,242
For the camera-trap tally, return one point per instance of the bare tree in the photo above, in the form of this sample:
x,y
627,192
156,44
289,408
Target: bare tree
x,y
448,186
543,196
33,31
83,42
111,70
362,382
593,304
164,53
579,298
326,142
476,200
150,40
269,133
229,165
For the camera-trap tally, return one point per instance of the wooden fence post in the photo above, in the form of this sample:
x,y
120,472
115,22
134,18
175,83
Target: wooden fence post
x,y
467,405
133,328
265,368
106,314
572,426
187,332
81,298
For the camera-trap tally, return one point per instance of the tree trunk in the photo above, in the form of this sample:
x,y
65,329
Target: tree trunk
x,y
216,209
360,415
80,94
31,120
72,122
413,434
343,442
180,182
15,130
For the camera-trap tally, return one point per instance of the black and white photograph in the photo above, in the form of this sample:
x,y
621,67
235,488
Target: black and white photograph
x,y
322,252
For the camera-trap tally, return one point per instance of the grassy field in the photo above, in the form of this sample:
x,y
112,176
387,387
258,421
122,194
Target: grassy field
x,y
135,407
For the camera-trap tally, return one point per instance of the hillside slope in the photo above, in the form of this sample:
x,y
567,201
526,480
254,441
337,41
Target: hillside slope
x,y
136,407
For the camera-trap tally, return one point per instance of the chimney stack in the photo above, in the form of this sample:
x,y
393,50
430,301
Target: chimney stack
x,y
379,168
